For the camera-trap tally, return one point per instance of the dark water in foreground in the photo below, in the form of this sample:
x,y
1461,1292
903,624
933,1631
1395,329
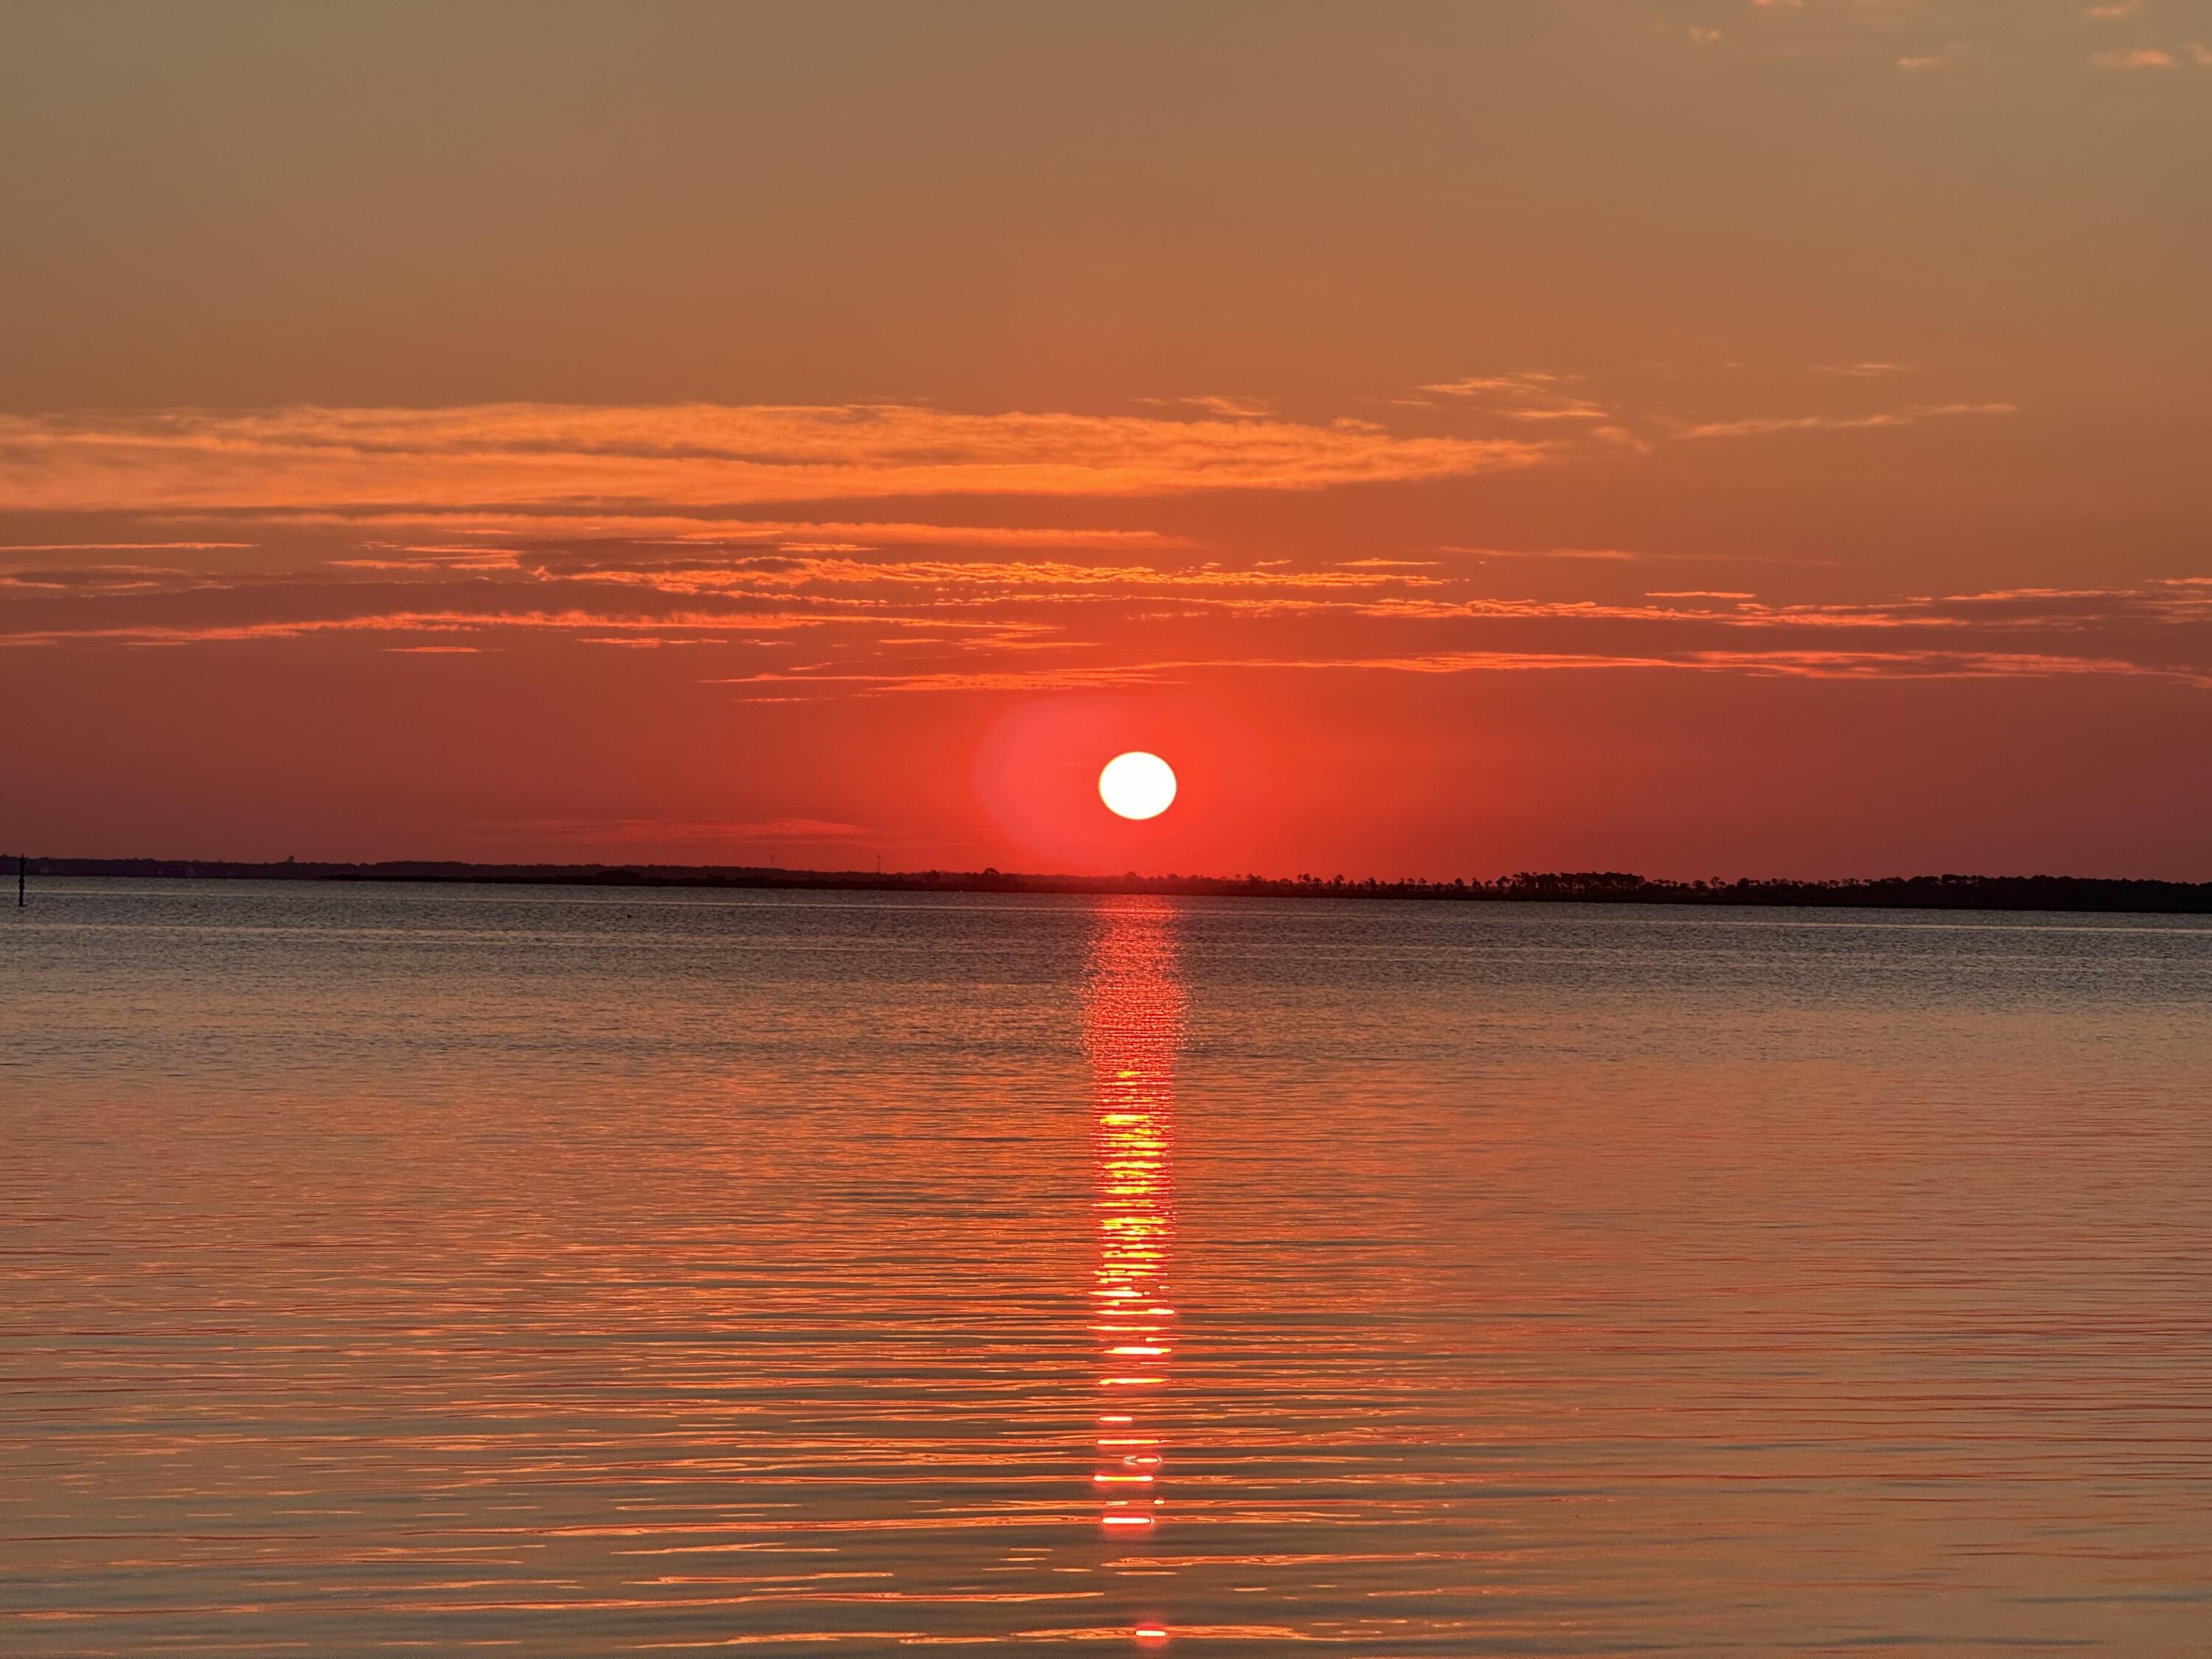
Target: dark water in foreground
x,y
407,1270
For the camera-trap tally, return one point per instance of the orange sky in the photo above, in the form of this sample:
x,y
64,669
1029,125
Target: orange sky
x,y
1693,436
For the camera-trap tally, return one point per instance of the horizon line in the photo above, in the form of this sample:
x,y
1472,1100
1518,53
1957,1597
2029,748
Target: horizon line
x,y
1948,890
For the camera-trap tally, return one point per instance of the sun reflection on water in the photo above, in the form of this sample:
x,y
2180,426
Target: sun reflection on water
x,y
1133,1009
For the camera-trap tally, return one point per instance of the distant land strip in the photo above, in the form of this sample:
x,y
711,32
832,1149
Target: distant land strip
x,y
1948,892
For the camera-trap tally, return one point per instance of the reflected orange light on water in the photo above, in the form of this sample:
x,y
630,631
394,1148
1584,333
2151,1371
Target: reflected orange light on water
x,y
1552,1279
1133,1011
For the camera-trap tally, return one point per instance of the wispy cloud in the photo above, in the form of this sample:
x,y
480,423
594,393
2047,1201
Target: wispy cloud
x,y
663,535
2192,54
1762,425
121,547
907,624
640,524
532,455
1533,395
1821,665
103,579
93,629
800,569
1231,408
1602,554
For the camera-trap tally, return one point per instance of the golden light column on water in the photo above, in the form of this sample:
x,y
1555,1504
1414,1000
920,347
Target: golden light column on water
x,y
1132,1013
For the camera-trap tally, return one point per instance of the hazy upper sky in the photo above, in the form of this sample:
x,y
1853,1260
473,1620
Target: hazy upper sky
x,y
1693,436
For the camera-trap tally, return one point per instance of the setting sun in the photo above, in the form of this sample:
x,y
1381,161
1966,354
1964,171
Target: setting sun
x,y
1137,784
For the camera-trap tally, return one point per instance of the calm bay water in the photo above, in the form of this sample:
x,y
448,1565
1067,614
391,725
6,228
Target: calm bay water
x,y
401,1269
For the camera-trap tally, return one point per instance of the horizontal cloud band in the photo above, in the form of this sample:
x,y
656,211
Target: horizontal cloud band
x,y
691,455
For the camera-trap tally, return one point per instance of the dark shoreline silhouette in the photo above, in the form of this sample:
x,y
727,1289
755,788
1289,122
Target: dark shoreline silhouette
x,y
1946,892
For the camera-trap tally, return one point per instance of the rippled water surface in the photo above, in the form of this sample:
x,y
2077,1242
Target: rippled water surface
x,y
395,1269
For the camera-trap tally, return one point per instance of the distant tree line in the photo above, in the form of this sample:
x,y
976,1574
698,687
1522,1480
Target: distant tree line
x,y
1946,892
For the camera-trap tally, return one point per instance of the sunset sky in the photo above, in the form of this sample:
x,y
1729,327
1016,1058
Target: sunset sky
x,y
1690,436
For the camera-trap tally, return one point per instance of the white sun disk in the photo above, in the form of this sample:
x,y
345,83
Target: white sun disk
x,y
1137,784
